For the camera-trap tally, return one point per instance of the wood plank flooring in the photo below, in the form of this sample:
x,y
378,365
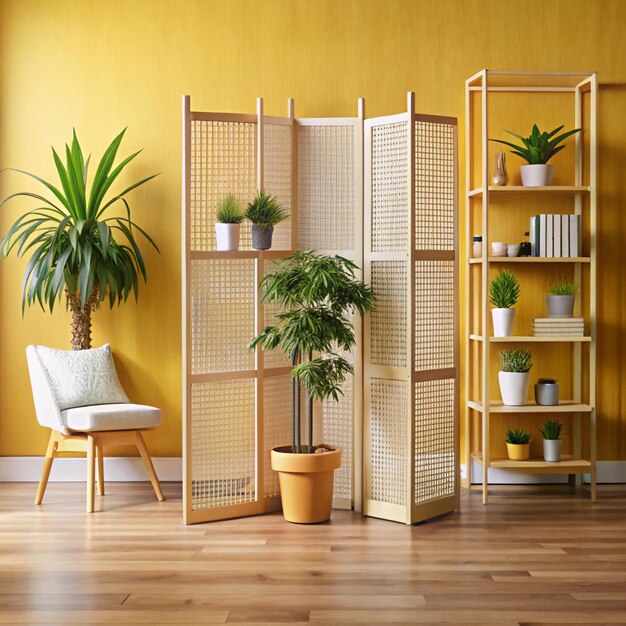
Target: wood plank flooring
x,y
535,555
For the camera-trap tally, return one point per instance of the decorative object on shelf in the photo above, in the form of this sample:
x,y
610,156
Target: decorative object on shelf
x,y
514,376
525,247
77,247
518,444
229,216
504,292
499,248
558,327
318,296
264,211
477,247
547,392
552,442
560,298
512,249
537,149
500,175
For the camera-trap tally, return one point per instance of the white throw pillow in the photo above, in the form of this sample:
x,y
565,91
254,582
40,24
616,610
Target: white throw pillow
x,y
82,377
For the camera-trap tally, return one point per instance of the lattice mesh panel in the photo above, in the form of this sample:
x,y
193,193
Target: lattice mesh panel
x,y
388,320
390,191
223,161
276,424
434,186
434,315
222,443
222,315
273,358
434,440
277,176
388,440
326,181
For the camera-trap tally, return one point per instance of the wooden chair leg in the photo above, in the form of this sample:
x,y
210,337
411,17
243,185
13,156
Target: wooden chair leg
x,y
145,455
91,453
47,466
100,456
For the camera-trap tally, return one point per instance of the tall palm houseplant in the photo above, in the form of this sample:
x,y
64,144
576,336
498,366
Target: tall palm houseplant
x,y
75,243
318,296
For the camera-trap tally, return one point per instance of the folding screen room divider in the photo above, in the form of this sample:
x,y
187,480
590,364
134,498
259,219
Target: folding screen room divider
x,y
237,403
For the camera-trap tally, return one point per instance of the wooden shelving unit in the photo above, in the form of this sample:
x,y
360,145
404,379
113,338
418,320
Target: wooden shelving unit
x,y
481,201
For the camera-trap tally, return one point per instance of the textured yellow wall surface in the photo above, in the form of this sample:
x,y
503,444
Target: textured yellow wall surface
x,y
101,66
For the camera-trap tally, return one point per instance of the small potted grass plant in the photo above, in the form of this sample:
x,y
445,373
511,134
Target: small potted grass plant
x,y
514,376
504,292
264,211
561,297
537,149
229,216
547,392
552,442
518,444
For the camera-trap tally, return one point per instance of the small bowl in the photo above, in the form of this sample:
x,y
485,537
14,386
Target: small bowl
x,y
499,248
512,249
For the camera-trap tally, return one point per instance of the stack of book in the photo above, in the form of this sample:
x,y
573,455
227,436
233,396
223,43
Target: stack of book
x,y
555,235
558,327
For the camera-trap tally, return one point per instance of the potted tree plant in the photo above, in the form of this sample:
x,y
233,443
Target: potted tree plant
x,y
561,297
75,245
229,216
514,376
552,442
547,392
537,149
318,296
518,444
504,292
264,211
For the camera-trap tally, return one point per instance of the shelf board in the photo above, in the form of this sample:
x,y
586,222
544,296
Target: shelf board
x,y
568,465
532,259
239,254
553,189
565,406
533,339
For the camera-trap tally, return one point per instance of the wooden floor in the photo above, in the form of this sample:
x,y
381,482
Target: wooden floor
x,y
534,556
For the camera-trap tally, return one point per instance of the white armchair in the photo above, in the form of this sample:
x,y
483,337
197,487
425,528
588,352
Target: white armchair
x,y
78,395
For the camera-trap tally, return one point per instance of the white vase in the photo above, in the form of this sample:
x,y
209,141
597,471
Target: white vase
x,y
514,387
503,322
536,175
227,236
552,450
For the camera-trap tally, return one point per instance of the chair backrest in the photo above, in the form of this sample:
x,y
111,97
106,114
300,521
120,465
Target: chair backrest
x,y
64,379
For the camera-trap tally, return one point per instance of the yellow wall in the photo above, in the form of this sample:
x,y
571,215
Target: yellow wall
x,y
102,66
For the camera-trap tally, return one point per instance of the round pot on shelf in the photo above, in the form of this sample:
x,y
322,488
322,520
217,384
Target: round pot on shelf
x,y
227,236
518,451
552,450
514,387
262,236
306,483
547,394
560,306
503,322
536,175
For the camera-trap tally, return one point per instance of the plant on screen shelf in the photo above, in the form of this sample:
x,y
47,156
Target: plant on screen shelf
x,y
264,211
229,216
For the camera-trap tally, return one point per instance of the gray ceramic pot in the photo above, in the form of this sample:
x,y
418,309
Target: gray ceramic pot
x,y
262,237
560,306
547,394
552,450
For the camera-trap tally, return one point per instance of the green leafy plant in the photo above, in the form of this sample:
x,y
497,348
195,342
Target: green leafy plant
x,y
75,245
517,436
563,287
504,290
551,430
229,210
265,210
515,360
539,147
546,381
318,296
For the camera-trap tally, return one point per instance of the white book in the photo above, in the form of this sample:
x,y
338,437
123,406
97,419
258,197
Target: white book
x,y
542,235
557,235
574,235
559,320
565,235
549,235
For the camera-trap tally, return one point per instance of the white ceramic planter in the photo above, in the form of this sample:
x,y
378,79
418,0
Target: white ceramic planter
x,y
552,450
503,322
514,387
536,175
227,236
560,306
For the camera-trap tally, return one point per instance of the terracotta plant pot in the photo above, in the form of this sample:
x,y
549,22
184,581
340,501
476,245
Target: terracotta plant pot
x,y
518,451
306,484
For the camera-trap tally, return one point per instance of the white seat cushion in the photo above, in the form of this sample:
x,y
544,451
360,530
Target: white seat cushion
x,y
111,417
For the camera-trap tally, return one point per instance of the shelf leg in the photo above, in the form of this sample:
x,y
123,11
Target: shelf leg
x,y
593,484
571,479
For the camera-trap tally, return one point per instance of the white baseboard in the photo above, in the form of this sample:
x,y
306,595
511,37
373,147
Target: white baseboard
x,y
26,469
